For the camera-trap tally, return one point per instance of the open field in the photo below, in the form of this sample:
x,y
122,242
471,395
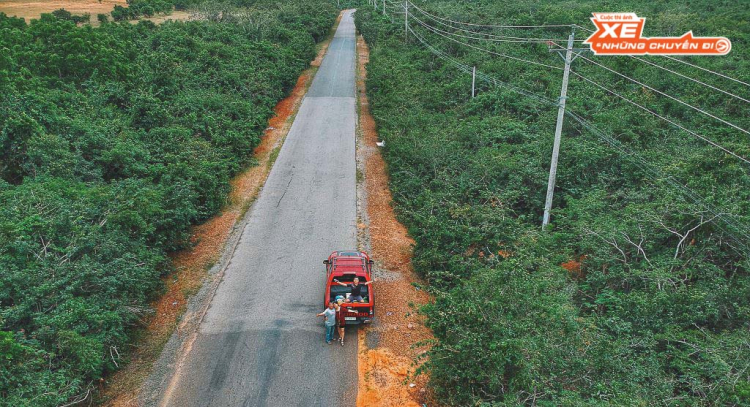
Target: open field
x,y
30,10
33,9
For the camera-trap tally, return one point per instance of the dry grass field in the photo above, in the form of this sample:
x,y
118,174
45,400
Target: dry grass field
x,y
30,10
33,9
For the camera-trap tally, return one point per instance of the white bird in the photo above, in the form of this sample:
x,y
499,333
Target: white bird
x,y
380,143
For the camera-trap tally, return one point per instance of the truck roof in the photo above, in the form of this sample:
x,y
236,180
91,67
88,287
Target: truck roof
x,y
348,262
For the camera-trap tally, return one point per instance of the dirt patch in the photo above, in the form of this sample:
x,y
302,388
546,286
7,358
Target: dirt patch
x,y
208,240
29,10
175,15
574,267
383,377
385,370
33,9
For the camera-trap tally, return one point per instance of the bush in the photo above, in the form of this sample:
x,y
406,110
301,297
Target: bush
x,y
66,15
120,13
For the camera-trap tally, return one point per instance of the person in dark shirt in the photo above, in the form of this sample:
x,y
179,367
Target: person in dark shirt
x,y
340,318
356,288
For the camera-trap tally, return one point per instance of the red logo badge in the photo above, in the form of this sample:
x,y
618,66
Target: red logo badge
x,y
620,34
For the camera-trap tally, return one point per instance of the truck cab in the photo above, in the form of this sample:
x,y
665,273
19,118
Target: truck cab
x,y
344,266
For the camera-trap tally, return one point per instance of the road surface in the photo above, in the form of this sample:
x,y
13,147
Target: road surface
x,y
260,343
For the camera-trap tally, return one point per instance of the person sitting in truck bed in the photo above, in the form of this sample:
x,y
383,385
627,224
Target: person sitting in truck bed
x,y
356,287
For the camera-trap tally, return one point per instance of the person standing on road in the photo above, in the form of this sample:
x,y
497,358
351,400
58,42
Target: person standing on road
x,y
340,318
356,288
330,320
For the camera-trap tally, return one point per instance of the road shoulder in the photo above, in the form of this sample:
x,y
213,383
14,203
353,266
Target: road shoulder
x,y
389,349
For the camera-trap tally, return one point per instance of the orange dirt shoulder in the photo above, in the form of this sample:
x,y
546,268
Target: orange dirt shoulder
x,y
385,370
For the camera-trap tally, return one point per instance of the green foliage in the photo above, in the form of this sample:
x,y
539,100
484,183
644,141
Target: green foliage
x,y
66,15
113,141
141,8
656,306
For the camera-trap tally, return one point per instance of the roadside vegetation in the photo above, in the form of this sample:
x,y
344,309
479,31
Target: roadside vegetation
x,y
113,142
638,293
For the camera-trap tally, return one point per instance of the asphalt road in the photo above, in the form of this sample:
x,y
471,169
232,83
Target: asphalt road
x,y
260,343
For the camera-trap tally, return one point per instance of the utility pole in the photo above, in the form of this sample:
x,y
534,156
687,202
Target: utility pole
x,y
473,80
569,57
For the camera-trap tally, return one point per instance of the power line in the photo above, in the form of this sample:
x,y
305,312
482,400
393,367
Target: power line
x,y
489,26
582,28
707,70
658,174
661,117
639,59
494,37
675,73
668,96
438,31
483,76
441,54
690,79
684,62
499,38
722,220
447,35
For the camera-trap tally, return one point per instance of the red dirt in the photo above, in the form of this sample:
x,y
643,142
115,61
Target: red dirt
x,y
384,369
574,267
191,265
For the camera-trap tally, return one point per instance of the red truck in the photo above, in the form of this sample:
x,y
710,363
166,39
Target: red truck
x,y
344,266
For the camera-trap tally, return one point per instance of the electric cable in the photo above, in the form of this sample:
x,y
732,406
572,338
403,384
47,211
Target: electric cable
x,y
730,124
726,150
489,26
438,32
494,37
468,69
690,194
683,62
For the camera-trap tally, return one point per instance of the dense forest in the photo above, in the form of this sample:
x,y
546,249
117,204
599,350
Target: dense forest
x,y
113,141
638,292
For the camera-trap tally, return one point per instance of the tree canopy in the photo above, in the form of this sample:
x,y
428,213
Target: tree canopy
x,y
638,293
